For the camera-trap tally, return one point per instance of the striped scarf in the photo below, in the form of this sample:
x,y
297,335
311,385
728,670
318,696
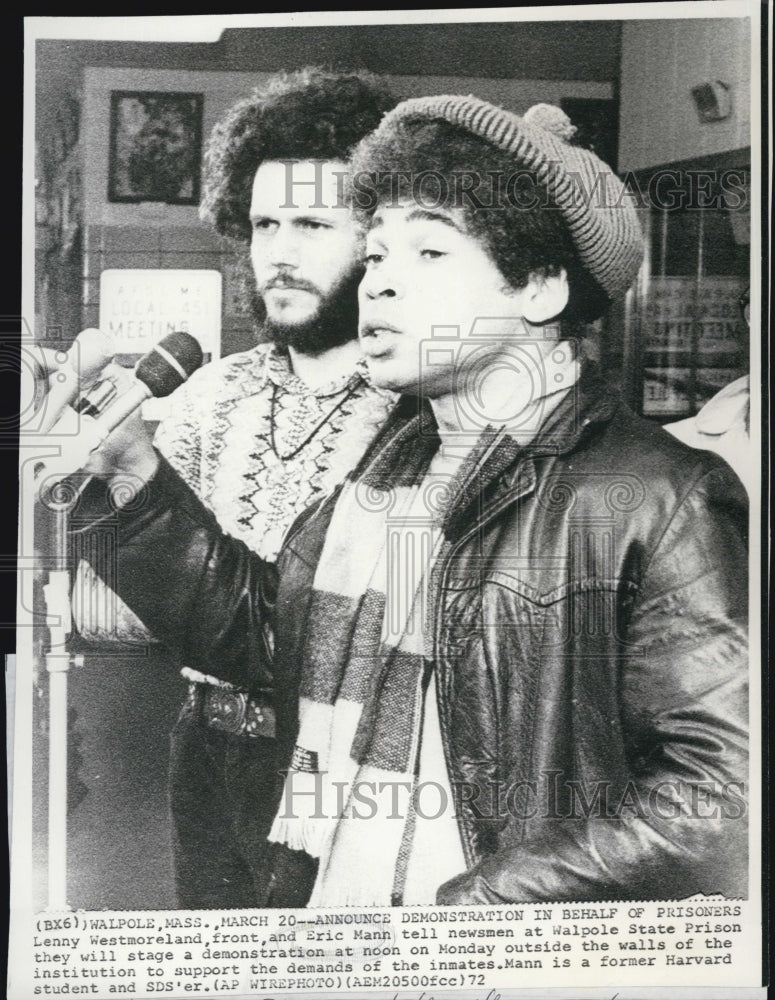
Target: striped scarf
x,y
364,673
348,792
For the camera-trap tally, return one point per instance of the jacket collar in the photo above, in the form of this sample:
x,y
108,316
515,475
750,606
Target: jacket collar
x,y
498,466
589,403
505,470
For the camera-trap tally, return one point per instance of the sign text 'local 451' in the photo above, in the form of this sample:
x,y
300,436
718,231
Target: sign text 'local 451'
x,y
139,307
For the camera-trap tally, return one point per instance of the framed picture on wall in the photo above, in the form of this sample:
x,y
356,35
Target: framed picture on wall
x,y
155,147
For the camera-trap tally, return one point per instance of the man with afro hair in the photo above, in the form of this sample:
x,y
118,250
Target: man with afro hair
x,y
261,434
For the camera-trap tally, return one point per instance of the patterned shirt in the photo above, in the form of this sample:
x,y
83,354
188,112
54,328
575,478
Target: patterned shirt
x,y
258,445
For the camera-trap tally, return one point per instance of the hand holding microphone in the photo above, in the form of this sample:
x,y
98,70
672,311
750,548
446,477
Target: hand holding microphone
x,y
93,443
128,449
71,372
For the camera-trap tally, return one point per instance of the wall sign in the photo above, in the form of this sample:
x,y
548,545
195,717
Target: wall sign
x,y
694,342
140,306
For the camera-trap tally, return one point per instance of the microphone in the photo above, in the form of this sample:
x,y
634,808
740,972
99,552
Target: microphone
x,y
93,402
89,353
157,374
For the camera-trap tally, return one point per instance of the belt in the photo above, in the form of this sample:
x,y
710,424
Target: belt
x,y
230,711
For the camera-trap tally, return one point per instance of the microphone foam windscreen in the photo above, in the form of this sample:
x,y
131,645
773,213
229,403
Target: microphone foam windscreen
x,y
169,364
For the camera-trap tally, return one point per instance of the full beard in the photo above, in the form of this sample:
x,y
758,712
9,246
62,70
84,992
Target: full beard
x,y
334,323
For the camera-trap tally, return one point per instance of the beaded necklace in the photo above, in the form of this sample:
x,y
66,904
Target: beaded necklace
x,y
349,391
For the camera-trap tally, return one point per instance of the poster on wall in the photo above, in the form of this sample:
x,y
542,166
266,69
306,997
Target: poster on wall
x,y
695,341
139,306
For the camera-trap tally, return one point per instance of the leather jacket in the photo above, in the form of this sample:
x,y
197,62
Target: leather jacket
x,y
589,635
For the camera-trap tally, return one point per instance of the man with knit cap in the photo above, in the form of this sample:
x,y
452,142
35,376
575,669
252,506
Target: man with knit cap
x,y
261,434
510,649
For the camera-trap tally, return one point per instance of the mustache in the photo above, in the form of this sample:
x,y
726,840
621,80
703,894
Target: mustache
x,y
282,280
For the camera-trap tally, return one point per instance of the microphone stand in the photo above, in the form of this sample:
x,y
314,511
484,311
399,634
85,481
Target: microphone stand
x,y
58,501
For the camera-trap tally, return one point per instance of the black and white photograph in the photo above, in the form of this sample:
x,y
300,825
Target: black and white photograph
x,y
391,470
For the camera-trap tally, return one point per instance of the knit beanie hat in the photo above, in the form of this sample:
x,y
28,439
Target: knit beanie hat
x,y
598,210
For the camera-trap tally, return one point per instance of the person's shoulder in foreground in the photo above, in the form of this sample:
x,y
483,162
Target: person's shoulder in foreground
x,y
723,426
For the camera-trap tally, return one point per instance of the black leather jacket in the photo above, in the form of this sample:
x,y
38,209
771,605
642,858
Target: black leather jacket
x,y
589,636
